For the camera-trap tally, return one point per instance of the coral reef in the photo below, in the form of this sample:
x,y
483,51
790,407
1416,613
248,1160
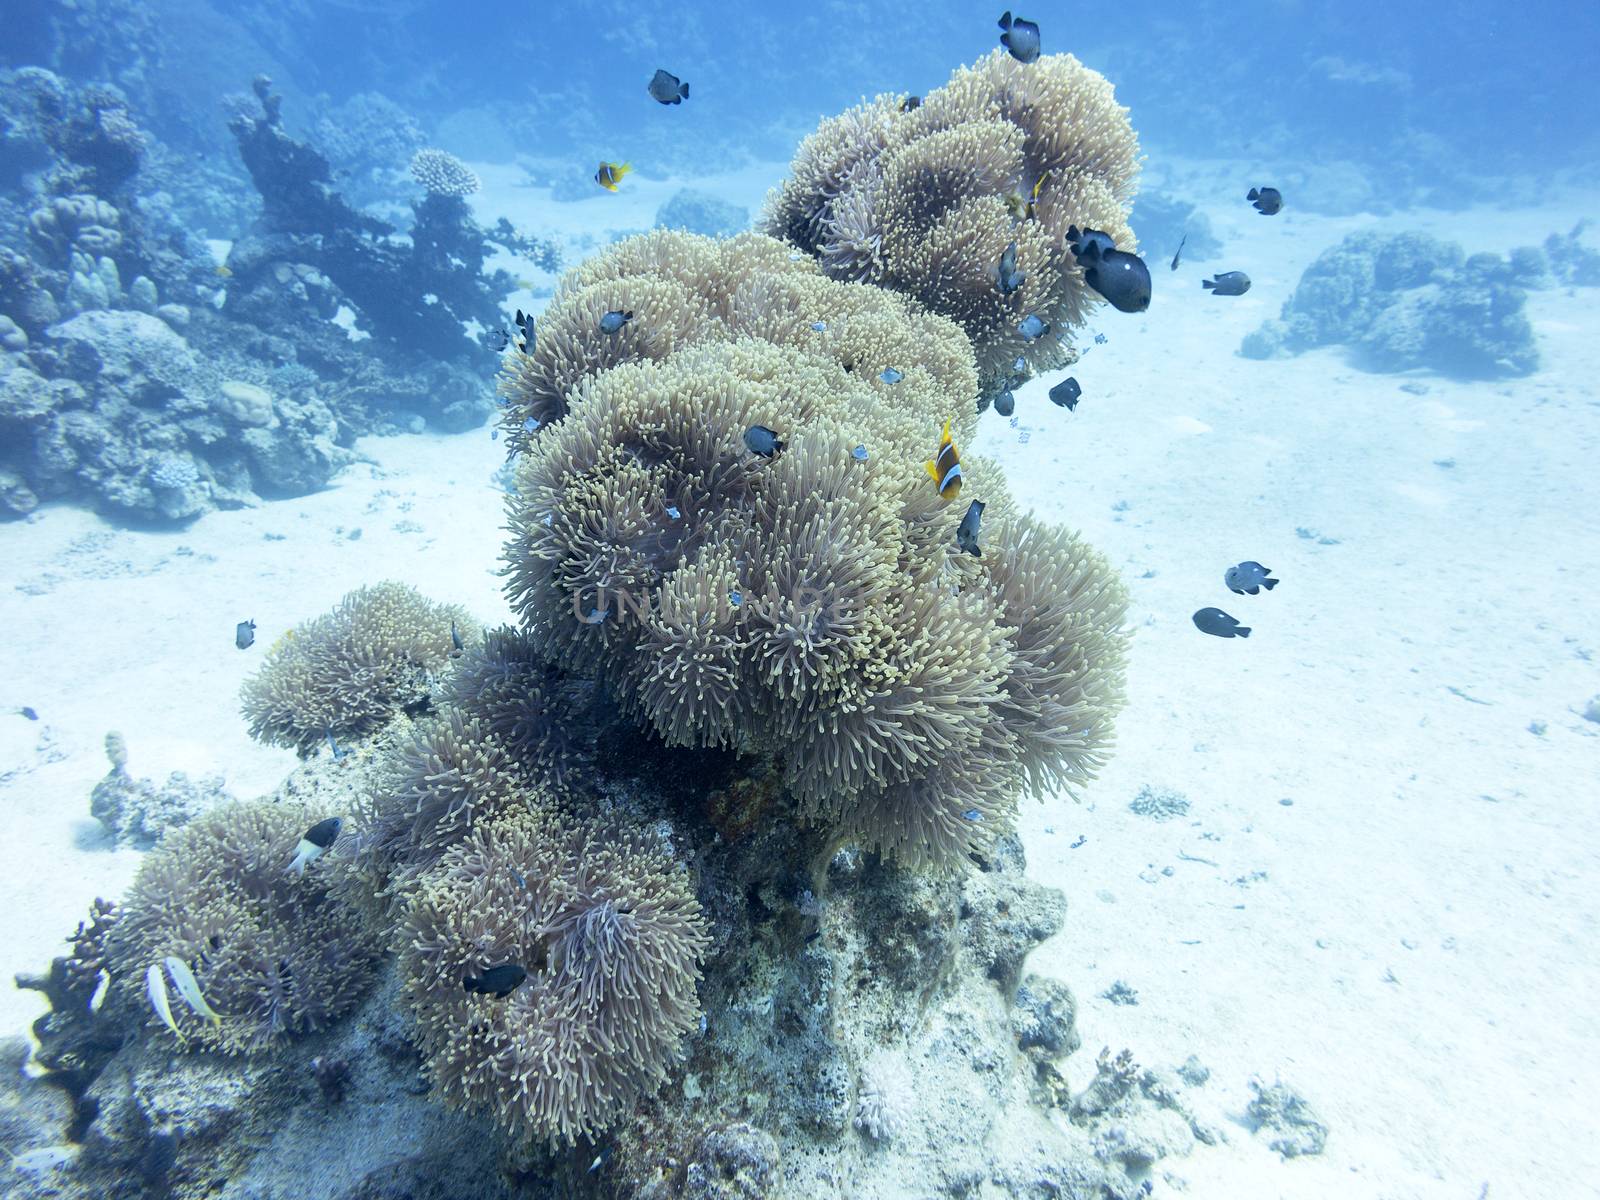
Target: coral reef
x,y
346,672
368,139
694,211
812,607
926,200
608,934
443,174
276,953
1405,301
138,374
692,871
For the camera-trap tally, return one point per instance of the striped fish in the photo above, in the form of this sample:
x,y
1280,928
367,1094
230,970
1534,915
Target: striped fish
x,y
945,466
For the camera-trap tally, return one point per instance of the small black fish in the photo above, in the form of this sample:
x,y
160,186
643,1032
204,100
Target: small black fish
x,y
1219,624
244,634
615,320
333,745
1249,578
1229,283
27,711
1179,254
324,832
1010,278
1005,404
1266,200
1066,394
499,339
1122,278
1082,838
601,1159
498,981
910,103
1088,244
456,644
967,531
667,88
1021,37
525,325
762,441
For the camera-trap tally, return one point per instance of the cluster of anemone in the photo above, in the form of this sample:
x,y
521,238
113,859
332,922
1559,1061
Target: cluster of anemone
x,y
925,200
811,607
345,673
443,174
545,717
609,934
275,953
450,774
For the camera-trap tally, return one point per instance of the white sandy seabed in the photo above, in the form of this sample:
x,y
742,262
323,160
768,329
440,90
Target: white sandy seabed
x,y
1384,889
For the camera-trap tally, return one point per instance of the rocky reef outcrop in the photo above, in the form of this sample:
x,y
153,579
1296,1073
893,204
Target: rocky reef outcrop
x,y
1405,301
139,374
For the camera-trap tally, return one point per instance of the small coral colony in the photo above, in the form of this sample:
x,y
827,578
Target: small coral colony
x,y
731,529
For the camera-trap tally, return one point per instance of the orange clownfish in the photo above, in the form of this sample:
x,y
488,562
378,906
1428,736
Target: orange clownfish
x,y
945,466
610,174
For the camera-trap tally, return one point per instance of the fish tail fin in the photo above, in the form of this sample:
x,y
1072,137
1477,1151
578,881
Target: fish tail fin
x,y
1255,194
298,866
1208,284
686,91
1269,584
777,446
1242,631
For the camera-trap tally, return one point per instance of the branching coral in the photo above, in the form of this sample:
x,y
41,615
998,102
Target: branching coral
x,y
347,671
275,953
442,173
609,934
926,201
811,607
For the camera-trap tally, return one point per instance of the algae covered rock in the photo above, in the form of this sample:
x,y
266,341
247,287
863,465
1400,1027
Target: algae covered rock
x,y
1407,300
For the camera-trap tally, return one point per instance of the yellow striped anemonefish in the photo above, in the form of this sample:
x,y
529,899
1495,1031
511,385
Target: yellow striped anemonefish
x,y
610,174
945,466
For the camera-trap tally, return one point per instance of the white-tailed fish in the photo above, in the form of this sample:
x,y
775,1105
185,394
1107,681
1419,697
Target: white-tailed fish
x,y
313,842
189,988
